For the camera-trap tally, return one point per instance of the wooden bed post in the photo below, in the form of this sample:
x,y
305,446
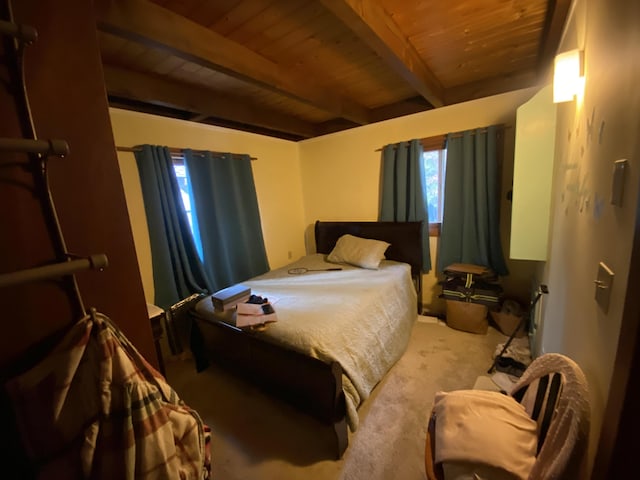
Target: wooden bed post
x,y
340,423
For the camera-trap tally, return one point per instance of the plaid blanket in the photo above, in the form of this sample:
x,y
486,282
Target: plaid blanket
x,y
94,408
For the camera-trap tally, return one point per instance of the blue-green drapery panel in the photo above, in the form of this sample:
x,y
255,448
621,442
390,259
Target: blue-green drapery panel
x,y
470,222
403,191
177,269
226,210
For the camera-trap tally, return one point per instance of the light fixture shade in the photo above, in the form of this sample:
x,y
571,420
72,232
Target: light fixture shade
x,y
567,76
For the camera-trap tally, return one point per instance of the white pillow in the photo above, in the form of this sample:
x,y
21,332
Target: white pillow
x,y
361,252
486,429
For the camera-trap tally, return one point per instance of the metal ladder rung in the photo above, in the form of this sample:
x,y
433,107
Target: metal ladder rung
x,y
24,33
95,262
58,148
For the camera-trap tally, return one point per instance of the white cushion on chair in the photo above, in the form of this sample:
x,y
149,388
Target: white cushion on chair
x,y
484,428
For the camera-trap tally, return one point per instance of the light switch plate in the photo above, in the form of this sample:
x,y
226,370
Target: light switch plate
x,y
603,285
617,182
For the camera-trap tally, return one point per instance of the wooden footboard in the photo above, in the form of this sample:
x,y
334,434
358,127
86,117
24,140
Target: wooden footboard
x,y
310,385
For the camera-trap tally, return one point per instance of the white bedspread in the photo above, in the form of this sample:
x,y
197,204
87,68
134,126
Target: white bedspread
x,y
357,317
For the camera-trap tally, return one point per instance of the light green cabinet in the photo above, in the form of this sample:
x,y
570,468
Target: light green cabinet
x,y
533,176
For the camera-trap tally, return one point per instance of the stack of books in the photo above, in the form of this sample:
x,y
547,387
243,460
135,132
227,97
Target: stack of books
x,y
229,297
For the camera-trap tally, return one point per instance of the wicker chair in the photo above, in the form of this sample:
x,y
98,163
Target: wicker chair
x,y
553,391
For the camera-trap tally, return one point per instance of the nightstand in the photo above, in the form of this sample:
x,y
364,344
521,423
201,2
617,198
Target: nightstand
x,y
156,317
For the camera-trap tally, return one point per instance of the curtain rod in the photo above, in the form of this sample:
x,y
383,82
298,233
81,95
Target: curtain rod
x,y
179,151
458,134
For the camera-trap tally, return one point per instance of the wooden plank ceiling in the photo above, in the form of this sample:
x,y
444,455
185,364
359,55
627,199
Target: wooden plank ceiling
x,y
297,69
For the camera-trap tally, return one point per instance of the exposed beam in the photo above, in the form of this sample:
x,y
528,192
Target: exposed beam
x,y
192,98
335,125
198,117
150,24
269,132
491,86
400,109
368,20
150,108
557,11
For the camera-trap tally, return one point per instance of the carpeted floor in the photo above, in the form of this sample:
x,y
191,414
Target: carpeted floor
x,y
257,437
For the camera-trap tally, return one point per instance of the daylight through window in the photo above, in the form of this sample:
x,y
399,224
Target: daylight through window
x,y
183,183
435,163
180,170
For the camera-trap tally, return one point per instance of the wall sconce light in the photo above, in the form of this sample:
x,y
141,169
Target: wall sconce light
x,y
568,79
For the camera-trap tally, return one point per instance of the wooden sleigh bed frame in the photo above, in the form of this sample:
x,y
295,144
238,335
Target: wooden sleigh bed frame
x,y
310,385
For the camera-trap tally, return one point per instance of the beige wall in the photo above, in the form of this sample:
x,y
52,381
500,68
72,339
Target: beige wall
x,y
591,134
341,172
276,172
334,177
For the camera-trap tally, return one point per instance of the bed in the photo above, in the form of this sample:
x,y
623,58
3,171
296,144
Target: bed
x,y
338,332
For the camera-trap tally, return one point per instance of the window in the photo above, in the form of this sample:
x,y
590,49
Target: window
x,y
183,182
180,170
435,162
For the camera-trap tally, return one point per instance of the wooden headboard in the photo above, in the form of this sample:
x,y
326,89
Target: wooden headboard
x,y
405,238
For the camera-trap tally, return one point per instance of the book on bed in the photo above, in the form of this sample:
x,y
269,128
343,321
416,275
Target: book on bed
x,y
229,297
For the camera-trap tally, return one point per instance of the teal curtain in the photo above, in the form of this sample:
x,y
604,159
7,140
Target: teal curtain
x,y
403,190
226,211
177,269
470,223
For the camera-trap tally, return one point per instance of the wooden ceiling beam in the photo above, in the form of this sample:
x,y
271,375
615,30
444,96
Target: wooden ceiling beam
x,y
199,117
371,23
408,106
201,101
145,22
491,86
335,125
556,17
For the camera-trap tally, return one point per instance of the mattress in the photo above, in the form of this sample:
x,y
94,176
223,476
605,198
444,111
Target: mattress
x,y
358,317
